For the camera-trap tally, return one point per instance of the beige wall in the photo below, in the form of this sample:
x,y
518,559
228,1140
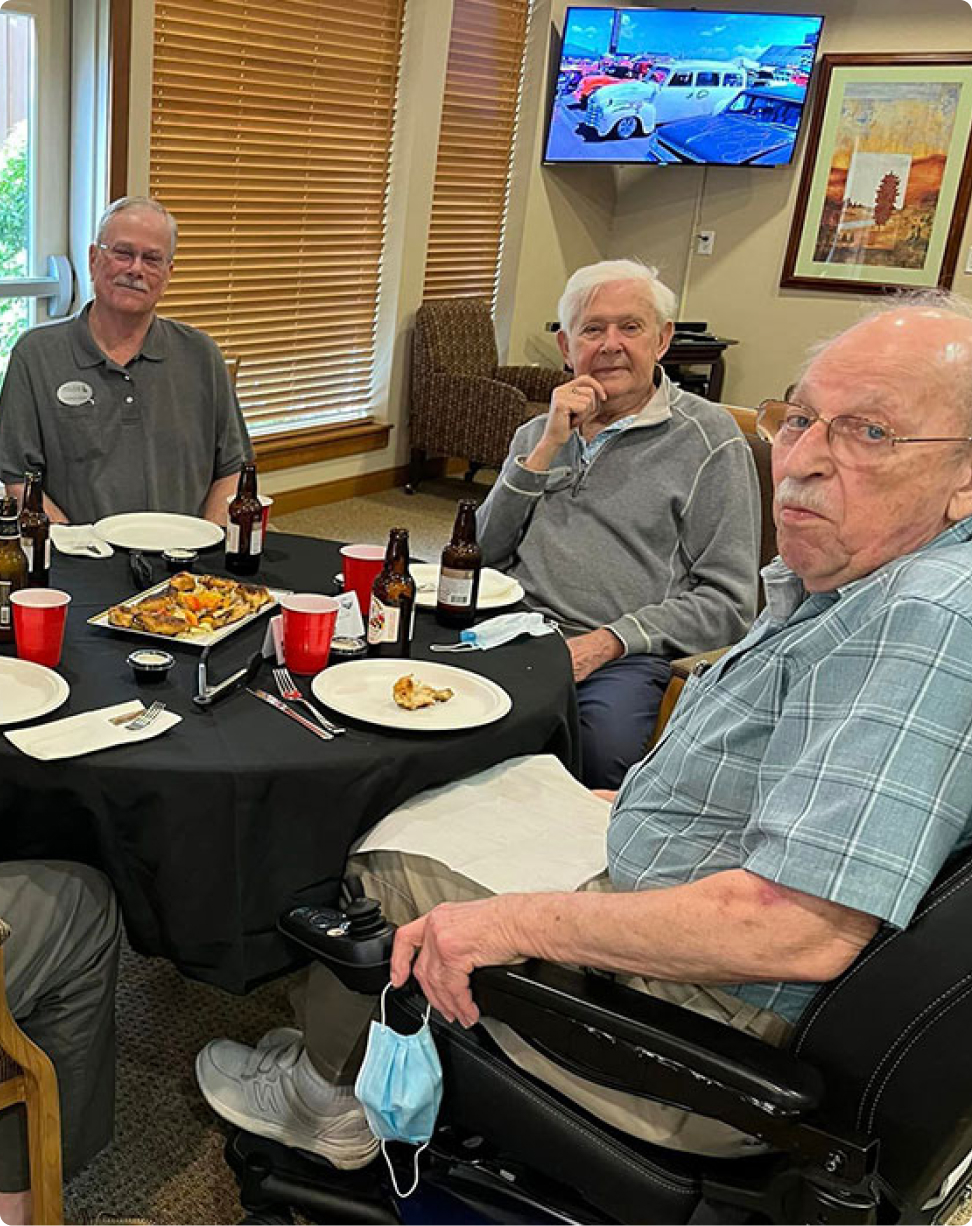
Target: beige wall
x,y
652,212
562,217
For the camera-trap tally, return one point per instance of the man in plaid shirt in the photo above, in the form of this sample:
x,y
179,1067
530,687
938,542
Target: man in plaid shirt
x,y
810,785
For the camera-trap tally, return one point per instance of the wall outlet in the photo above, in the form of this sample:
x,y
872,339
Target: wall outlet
x,y
705,241
968,259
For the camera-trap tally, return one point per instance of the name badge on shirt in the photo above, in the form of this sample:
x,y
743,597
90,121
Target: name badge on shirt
x,y
75,393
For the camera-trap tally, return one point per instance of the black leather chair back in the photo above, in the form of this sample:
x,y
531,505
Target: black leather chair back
x,y
892,1038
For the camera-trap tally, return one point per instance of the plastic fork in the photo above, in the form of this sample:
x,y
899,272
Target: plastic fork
x,y
287,688
148,716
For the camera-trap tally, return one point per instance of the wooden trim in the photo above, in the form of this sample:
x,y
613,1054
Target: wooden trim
x,y
321,443
336,491
119,72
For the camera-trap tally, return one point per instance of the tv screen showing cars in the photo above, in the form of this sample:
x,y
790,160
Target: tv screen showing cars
x,y
666,86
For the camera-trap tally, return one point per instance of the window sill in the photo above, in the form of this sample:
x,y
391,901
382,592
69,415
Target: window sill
x,y
318,443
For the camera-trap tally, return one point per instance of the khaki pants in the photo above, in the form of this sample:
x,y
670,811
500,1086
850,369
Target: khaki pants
x,y
335,1020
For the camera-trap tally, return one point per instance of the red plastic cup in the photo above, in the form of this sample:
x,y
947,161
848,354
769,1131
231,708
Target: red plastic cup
x,y
39,616
266,502
362,564
308,627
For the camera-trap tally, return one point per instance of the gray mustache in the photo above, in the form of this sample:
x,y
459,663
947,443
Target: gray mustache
x,y
793,493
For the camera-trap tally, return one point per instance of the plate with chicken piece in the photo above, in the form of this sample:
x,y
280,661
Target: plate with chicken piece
x,y
415,696
196,609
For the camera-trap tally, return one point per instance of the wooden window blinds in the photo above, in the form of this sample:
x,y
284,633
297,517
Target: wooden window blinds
x,y
271,133
475,147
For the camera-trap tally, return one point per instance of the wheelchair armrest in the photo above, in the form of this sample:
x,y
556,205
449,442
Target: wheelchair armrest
x,y
619,1037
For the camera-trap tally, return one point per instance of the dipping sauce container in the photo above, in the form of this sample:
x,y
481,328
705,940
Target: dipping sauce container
x,y
150,665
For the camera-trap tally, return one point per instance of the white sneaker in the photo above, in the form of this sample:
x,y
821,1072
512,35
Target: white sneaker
x,y
259,1090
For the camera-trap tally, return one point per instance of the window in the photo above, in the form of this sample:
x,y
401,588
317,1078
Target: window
x,y
33,209
475,147
271,132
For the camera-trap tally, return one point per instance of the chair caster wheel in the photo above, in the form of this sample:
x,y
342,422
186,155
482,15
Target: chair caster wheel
x,y
409,488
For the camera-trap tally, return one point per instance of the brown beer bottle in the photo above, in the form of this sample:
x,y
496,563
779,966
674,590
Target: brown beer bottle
x,y
13,565
35,531
392,612
462,563
244,525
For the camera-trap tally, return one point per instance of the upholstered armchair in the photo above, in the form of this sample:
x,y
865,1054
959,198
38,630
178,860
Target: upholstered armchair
x,y
463,403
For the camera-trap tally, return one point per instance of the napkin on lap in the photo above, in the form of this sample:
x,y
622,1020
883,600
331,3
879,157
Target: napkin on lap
x,y
81,540
85,733
505,827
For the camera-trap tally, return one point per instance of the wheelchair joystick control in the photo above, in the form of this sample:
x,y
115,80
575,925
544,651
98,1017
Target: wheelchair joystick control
x,y
364,919
356,944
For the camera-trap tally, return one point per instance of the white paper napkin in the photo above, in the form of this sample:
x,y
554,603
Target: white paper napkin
x,y
505,827
88,732
80,540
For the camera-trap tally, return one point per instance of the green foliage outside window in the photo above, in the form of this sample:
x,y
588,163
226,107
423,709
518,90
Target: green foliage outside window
x,y
14,198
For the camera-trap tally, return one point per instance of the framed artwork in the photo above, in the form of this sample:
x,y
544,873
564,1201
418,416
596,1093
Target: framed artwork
x,y
886,175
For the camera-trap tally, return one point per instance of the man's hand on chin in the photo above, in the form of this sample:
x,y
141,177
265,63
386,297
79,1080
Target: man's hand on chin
x,y
589,652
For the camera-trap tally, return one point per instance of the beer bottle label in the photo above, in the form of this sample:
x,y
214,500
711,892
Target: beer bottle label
x,y
233,538
5,610
27,545
383,622
456,587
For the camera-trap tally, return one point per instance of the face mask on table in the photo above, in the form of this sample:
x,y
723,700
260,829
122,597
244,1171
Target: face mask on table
x,y
496,631
399,1085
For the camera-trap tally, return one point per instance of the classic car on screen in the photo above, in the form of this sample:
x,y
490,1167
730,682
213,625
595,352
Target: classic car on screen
x,y
672,92
758,128
587,86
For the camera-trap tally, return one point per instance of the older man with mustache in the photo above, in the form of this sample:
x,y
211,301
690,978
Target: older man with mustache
x,y
121,409
629,513
808,789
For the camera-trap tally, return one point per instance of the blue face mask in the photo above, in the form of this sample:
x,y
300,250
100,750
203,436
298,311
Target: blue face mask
x,y
400,1087
496,631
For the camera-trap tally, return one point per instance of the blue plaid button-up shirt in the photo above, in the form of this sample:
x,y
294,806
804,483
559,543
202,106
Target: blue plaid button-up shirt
x,y
829,751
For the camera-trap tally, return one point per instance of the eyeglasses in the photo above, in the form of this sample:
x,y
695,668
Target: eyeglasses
x,y
855,441
126,256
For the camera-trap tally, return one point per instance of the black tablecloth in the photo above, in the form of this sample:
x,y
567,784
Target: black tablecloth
x,y
209,831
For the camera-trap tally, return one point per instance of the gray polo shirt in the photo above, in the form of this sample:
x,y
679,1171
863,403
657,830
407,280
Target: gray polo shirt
x,y
149,436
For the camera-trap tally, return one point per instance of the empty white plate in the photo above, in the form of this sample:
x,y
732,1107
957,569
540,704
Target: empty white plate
x,y
28,690
154,531
496,590
362,689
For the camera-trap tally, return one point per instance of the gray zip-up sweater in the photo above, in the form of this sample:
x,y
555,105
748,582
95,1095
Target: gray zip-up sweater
x,y
656,538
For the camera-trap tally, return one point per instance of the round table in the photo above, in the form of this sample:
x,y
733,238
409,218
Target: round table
x,y
211,830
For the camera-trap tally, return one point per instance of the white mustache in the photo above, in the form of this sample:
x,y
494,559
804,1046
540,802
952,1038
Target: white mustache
x,y
792,492
131,282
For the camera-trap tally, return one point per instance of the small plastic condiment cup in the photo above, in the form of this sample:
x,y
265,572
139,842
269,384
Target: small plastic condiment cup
x,y
179,559
150,665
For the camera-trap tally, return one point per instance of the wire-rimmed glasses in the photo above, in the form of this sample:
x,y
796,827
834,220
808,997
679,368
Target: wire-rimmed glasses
x,y
855,441
121,253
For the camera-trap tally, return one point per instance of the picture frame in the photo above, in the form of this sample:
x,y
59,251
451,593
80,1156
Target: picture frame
x,y
887,174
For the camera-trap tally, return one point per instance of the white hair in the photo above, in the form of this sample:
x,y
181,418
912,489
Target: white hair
x,y
587,280
146,203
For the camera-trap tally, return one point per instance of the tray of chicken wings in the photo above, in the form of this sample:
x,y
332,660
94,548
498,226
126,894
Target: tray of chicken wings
x,y
195,609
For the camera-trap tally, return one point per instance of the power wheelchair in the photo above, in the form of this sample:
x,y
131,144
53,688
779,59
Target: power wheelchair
x,y
868,1110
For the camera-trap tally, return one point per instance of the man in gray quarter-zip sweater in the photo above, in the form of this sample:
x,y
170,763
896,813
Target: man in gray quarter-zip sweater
x,y
629,513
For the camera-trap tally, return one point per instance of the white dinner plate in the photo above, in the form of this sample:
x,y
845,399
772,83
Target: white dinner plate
x,y
28,690
154,531
362,689
496,590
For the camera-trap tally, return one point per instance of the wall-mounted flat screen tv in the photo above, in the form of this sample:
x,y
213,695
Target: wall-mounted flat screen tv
x,y
662,86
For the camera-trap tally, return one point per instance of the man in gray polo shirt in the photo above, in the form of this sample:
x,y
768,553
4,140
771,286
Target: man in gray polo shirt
x,y
123,410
